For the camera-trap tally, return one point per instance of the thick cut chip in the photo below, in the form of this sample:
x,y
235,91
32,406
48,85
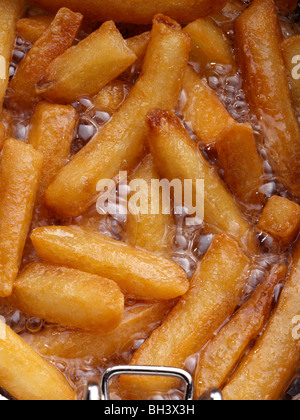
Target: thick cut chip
x,y
20,170
69,297
136,11
258,38
281,220
203,109
136,271
242,165
34,27
51,133
25,375
209,44
147,227
82,71
57,39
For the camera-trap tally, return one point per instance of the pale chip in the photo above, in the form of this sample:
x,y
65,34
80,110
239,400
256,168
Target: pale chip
x,y
2,68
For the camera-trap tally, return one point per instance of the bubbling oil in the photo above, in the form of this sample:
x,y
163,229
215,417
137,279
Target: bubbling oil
x,y
189,243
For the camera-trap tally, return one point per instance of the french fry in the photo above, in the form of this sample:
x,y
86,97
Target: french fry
x,y
2,135
178,157
34,27
57,39
223,353
291,53
286,6
10,12
203,109
20,170
269,368
209,44
69,297
242,165
216,290
120,145
137,11
111,97
138,323
86,68
51,133
281,220
136,271
150,231
139,44
25,375
258,38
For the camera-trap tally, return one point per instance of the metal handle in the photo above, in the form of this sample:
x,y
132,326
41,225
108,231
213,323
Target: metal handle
x,y
147,371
